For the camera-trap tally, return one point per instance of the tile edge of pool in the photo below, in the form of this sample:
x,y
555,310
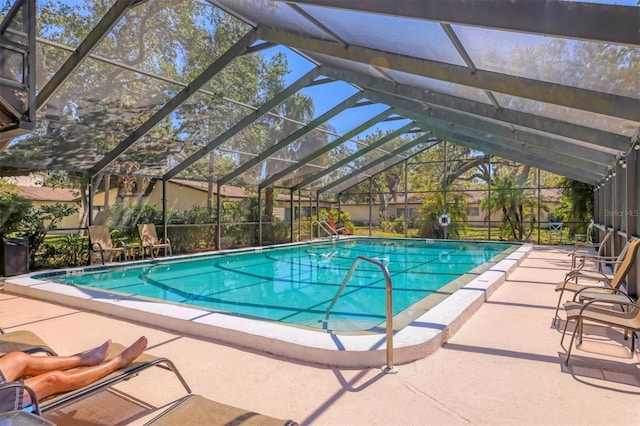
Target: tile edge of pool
x,y
418,339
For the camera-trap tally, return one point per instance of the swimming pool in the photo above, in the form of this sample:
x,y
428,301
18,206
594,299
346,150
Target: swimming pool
x,y
296,284
275,299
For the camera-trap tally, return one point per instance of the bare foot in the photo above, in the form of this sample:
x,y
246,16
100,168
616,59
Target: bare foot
x,y
97,355
131,353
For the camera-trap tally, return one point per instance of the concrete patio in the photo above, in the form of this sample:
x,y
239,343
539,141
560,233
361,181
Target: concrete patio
x,y
504,366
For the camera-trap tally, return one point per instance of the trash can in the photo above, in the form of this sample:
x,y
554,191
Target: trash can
x,y
14,256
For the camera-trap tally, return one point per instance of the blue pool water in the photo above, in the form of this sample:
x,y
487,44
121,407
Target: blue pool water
x,y
296,283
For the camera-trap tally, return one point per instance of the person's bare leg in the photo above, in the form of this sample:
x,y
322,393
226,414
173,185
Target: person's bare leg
x,y
18,364
54,382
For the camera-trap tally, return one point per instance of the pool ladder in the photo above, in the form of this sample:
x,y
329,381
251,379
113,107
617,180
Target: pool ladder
x,y
389,368
322,224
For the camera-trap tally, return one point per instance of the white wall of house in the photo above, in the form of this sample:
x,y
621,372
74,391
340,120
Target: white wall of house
x,y
475,215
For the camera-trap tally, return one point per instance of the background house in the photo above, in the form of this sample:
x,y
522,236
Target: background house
x,y
359,212
42,196
183,194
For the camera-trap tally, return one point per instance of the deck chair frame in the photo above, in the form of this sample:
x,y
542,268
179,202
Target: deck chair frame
x,y
196,409
340,229
149,239
628,318
574,280
23,341
100,242
143,362
580,254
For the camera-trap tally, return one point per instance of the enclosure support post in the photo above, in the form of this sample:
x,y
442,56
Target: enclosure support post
x,y
164,212
299,215
444,187
259,216
633,208
617,208
539,201
311,215
91,194
292,214
218,226
489,201
370,206
406,202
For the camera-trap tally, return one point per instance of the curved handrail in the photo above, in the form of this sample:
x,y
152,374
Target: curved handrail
x,y
389,368
322,224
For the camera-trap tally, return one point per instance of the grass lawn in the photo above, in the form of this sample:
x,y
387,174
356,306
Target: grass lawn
x,y
478,234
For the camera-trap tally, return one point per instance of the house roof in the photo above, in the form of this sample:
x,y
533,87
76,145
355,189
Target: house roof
x,y
230,191
42,193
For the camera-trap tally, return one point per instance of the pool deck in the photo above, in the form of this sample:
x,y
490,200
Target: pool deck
x,y
504,365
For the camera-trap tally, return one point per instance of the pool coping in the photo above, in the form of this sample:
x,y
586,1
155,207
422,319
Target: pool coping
x,y
418,339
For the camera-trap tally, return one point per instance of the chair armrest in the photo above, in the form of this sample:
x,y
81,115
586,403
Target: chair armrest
x,y
96,247
612,302
596,258
603,291
586,244
580,248
580,273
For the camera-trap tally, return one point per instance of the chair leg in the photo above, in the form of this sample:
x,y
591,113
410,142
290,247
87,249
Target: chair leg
x,y
626,332
558,307
564,332
573,336
580,325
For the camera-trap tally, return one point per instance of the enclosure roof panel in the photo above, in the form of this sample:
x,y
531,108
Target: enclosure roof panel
x,y
285,93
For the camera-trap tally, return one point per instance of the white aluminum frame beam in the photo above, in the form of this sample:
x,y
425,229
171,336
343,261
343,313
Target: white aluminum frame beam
x,y
543,91
233,52
591,135
603,23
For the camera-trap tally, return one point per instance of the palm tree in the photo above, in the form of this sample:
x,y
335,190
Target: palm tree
x,y
516,203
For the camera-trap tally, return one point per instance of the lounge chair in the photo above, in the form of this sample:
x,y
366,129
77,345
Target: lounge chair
x,y
339,228
581,252
196,410
578,279
100,241
149,239
586,238
596,271
141,363
22,341
593,310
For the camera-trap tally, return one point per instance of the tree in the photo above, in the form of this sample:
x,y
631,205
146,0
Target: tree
x,y
387,183
102,103
300,108
576,204
14,209
516,204
434,206
39,222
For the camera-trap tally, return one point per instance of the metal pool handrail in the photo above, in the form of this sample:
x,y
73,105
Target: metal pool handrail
x,y
389,368
322,224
